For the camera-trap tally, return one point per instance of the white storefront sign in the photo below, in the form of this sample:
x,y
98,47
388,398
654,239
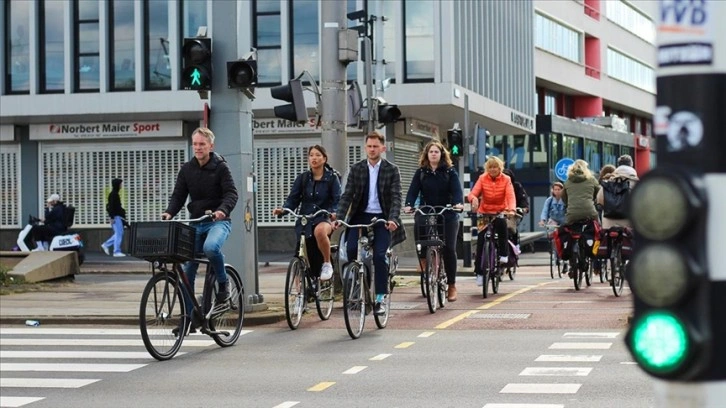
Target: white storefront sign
x,y
7,133
106,130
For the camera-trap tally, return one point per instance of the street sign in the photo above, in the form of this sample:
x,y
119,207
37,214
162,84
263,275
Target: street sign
x,y
561,168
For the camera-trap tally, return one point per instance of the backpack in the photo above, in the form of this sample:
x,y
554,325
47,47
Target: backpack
x,y
615,196
521,195
69,214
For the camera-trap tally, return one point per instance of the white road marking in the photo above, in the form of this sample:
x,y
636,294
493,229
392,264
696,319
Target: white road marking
x,y
69,331
524,406
628,362
141,355
557,371
540,388
602,335
426,334
575,346
287,404
562,358
12,402
89,368
92,342
380,357
355,369
46,382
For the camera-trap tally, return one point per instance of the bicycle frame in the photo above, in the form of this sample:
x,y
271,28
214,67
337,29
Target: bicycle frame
x,y
493,269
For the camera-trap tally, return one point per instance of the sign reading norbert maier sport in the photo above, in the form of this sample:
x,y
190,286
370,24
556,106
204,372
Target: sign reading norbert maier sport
x,y
106,130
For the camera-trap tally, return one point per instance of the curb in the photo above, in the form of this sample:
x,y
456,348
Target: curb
x,y
250,320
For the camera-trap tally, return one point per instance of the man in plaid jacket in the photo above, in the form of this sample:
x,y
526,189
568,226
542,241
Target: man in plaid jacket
x,y
373,189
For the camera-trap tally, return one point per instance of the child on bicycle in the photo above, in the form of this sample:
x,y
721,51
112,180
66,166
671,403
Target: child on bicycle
x,y
315,189
497,195
438,184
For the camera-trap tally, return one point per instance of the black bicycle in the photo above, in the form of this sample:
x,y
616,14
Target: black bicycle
x,y
356,275
301,285
616,236
579,258
489,258
163,317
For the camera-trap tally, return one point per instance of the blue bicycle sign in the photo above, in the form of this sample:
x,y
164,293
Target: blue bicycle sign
x,y
561,168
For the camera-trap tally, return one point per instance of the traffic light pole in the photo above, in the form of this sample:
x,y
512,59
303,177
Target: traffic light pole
x,y
689,125
333,82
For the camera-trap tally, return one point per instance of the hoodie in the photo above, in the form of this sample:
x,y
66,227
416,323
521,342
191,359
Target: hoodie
x,y
579,197
114,208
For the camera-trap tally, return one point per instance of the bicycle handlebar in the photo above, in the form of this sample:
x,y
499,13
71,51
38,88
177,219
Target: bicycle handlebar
x,y
443,209
207,215
286,210
371,225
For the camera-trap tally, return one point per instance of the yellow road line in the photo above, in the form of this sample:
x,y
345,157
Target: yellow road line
x,y
405,344
321,386
488,305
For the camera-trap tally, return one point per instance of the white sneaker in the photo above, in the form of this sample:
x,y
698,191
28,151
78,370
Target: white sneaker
x,y
37,249
479,280
326,272
119,254
106,250
503,259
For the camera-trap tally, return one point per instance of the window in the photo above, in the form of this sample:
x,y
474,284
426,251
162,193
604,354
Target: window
x,y
550,103
624,15
609,153
122,50
267,39
82,175
419,41
51,33
17,57
592,154
571,147
390,12
558,39
630,70
304,30
195,16
87,41
157,75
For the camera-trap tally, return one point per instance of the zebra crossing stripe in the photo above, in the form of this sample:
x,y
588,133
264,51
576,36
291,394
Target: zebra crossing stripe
x,y
584,346
557,371
91,342
68,331
610,335
514,388
563,358
128,355
46,382
13,402
524,406
90,368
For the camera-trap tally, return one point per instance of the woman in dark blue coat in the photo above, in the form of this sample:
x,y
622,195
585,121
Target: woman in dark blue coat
x,y
315,189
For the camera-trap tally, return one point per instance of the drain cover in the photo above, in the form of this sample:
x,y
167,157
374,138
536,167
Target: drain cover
x,y
500,315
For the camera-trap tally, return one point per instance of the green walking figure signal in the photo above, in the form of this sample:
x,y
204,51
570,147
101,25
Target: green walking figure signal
x,y
197,64
195,78
455,141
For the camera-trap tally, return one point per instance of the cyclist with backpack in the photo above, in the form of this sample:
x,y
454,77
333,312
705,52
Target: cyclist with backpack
x,y
438,184
613,196
315,189
553,211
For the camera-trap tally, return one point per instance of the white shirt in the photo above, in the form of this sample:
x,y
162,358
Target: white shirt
x,y
374,205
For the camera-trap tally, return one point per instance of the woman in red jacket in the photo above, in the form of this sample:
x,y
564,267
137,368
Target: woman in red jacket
x,y
493,193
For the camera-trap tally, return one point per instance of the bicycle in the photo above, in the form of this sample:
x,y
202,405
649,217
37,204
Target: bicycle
x,y
299,278
163,317
489,257
358,300
579,260
616,236
555,262
433,276
513,226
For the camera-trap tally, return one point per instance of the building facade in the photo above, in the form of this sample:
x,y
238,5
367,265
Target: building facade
x,y
91,91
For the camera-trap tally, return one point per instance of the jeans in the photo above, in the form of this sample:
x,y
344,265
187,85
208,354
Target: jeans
x,y
500,227
381,242
209,239
118,235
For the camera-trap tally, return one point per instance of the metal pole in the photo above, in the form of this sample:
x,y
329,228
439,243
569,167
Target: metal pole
x,y
333,80
368,72
466,221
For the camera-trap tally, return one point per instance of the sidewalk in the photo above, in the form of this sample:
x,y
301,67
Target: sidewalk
x,y
108,291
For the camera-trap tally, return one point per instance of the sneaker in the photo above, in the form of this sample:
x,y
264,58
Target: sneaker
x,y
223,292
326,272
479,280
503,259
190,330
106,250
379,309
119,254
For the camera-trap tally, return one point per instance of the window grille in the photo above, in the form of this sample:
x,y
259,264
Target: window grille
x,y
406,154
10,186
82,175
279,163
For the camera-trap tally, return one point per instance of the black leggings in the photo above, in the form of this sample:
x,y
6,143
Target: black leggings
x,y
500,227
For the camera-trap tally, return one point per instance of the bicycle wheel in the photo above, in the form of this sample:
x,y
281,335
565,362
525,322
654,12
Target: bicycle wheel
x,y
575,267
432,278
587,271
618,279
226,319
553,261
324,298
443,286
422,280
601,264
162,310
354,308
511,271
485,269
295,296
495,273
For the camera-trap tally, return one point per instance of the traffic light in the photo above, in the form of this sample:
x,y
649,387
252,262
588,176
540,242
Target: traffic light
x,y
670,334
388,113
242,74
293,93
455,142
197,64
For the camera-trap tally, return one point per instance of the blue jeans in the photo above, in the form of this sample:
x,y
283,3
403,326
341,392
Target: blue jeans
x,y
381,242
118,235
209,239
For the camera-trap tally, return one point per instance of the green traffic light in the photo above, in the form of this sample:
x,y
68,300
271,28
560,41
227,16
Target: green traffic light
x,y
455,150
660,342
195,76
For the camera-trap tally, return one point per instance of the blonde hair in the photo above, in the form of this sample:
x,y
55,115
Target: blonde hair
x,y
204,132
494,161
579,166
423,160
